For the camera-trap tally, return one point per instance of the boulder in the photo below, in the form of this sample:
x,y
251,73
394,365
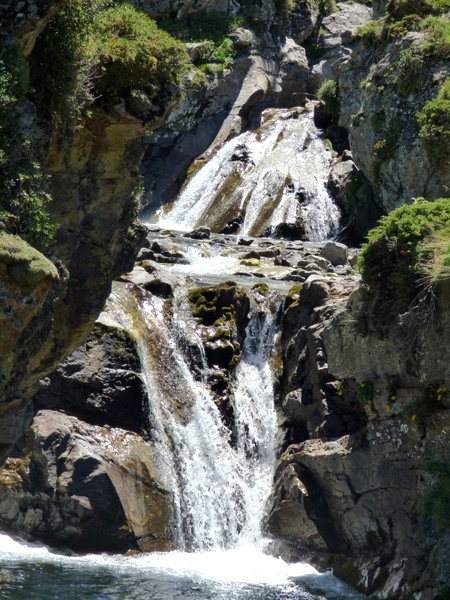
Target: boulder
x,y
335,252
89,488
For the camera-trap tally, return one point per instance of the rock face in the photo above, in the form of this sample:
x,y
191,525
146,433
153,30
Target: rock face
x,y
86,477
87,487
378,109
364,418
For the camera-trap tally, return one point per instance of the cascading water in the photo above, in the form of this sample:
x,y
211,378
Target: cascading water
x,y
219,490
275,175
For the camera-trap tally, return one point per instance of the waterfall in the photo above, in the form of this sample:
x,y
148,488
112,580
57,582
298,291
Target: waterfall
x,y
275,175
219,488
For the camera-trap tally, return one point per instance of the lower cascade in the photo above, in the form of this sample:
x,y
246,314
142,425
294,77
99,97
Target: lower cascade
x,y
216,458
219,488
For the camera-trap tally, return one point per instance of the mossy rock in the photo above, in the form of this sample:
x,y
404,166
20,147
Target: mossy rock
x,y
250,262
261,288
211,305
25,265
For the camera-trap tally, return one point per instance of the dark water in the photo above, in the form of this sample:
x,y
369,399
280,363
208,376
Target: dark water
x,y
35,573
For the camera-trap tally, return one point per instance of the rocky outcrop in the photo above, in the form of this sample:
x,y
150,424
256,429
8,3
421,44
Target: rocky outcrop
x,y
366,419
30,285
85,487
379,101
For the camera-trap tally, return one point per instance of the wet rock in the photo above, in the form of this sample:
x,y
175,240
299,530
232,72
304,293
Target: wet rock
x,y
233,226
201,233
100,382
88,488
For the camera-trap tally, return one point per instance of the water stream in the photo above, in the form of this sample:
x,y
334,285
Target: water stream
x,y
219,479
276,175
219,487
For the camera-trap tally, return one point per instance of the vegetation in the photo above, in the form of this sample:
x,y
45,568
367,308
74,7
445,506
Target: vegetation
x,y
24,193
434,122
131,51
213,31
384,148
91,48
328,93
436,499
392,261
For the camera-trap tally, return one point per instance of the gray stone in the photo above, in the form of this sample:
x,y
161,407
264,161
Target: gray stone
x,y
335,252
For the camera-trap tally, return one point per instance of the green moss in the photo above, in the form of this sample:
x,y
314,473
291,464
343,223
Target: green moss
x,y
262,288
26,266
435,502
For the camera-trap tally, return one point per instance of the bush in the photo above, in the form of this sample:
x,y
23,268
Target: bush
x,y
438,36
210,28
91,48
328,93
434,122
60,66
411,70
371,33
132,52
23,183
390,262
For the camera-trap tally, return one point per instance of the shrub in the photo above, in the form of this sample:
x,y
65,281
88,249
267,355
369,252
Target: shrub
x,y
411,70
438,36
131,51
60,66
92,47
212,28
434,122
328,93
371,33
390,261
23,183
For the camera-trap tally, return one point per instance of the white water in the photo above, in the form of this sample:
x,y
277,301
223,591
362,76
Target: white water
x,y
282,179
219,490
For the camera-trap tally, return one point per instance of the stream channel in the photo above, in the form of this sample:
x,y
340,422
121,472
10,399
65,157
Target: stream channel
x,y
219,488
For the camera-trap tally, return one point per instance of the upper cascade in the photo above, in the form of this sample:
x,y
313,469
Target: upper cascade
x,y
270,178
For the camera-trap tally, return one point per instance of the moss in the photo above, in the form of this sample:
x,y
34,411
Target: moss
x,y
26,266
250,262
435,502
293,295
262,288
